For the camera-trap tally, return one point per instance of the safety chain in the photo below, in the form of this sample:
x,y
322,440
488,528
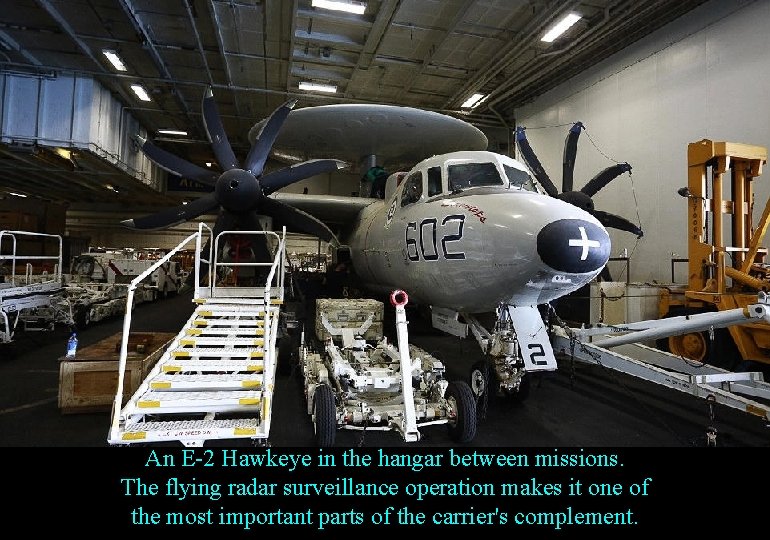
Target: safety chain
x,y
711,430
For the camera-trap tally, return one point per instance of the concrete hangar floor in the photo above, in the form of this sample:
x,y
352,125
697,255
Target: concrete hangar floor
x,y
577,406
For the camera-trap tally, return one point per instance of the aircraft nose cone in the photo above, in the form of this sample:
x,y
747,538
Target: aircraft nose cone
x,y
573,246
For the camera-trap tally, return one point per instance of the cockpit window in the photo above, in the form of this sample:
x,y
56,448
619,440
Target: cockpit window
x,y
468,175
434,181
412,189
519,178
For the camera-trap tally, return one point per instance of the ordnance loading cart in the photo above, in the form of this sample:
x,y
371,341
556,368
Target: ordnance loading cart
x,y
361,382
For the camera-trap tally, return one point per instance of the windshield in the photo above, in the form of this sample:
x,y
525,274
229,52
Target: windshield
x,y
520,179
467,175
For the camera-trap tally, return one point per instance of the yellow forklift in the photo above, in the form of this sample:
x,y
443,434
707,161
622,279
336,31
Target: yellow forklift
x,y
724,272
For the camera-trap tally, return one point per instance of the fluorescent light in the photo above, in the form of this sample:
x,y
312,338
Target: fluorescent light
x,y
17,194
208,164
140,92
110,187
317,87
341,5
172,132
561,27
114,59
472,101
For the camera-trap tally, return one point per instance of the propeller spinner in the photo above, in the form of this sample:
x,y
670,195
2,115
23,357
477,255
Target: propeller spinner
x,y
240,192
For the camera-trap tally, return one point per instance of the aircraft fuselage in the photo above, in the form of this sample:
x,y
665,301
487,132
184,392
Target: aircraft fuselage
x,y
465,242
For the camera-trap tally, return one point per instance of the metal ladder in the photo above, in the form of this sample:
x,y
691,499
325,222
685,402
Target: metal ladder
x,y
216,378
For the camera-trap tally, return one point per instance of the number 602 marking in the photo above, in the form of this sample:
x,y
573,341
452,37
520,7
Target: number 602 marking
x,y
426,233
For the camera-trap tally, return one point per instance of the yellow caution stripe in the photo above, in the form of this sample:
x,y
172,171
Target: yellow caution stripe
x,y
255,368
244,431
169,369
162,385
150,404
134,436
186,342
181,354
248,401
200,322
199,300
265,408
193,331
251,384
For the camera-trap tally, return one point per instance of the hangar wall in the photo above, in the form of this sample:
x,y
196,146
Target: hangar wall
x,y
705,76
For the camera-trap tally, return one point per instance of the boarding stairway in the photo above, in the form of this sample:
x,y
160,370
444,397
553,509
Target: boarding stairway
x,y
216,378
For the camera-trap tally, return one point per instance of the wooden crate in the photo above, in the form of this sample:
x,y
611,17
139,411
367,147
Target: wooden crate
x,y
88,382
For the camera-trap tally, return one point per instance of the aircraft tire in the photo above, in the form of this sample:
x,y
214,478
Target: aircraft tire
x,y
463,428
479,383
324,416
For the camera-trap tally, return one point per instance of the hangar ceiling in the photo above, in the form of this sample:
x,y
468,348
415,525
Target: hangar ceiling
x,y
429,54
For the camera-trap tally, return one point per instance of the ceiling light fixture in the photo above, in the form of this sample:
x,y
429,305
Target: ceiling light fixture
x,y
348,6
472,101
208,164
114,59
172,132
560,27
315,87
140,92
17,194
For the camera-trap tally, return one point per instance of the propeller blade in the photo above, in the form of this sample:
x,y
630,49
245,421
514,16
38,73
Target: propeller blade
x,y
216,132
175,165
617,222
568,160
262,252
533,163
284,177
255,161
605,177
174,215
298,220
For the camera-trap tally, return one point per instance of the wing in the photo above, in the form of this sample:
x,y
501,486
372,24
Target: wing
x,y
334,210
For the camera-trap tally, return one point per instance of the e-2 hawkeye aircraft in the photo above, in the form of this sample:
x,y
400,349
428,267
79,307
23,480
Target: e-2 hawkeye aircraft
x,y
464,232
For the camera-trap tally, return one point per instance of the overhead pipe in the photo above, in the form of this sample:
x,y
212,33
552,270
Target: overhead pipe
x,y
496,65
160,64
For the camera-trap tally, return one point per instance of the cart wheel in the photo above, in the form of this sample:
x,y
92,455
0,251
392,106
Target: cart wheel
x,y
324,415
479,383
698,346
462,417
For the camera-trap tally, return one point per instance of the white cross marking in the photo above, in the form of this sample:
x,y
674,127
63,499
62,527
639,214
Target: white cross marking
x,y
584,242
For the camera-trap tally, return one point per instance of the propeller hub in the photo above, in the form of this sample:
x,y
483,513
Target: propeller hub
x,y
238,190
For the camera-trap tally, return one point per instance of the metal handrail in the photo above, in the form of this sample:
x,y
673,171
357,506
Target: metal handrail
x,y
122,360
14,256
